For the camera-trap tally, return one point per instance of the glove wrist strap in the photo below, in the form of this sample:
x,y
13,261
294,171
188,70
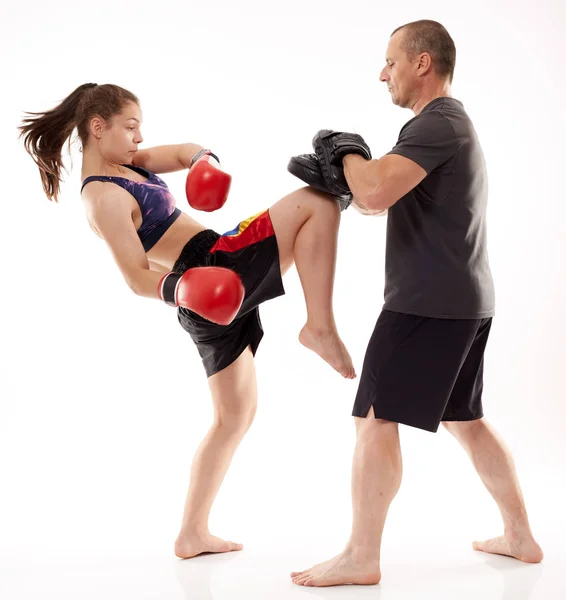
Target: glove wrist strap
x,y
168,288
202,153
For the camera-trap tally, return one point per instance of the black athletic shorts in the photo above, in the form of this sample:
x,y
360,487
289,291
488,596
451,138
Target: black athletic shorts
x,y
250,250
420,371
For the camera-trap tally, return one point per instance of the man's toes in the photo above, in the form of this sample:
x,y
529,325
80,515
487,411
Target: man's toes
x,y
303,573
302,578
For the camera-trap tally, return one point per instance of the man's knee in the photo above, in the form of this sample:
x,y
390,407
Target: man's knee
x,y
369,424
459,428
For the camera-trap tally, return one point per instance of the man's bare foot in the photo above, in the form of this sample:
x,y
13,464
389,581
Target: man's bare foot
x,y
346,568
328,345
521,547
188,546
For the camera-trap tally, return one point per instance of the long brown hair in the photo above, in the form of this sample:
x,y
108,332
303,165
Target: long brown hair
x,y
45,133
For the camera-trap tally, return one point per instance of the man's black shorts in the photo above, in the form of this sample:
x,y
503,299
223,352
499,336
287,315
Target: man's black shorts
x,y
420,371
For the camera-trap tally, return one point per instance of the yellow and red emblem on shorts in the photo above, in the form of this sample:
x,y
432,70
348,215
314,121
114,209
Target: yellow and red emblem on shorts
x,y
248,232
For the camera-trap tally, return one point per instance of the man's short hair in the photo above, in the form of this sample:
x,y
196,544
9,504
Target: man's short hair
x,y
432,37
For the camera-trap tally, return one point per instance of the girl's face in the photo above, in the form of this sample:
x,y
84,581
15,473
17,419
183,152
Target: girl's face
x,y
118,141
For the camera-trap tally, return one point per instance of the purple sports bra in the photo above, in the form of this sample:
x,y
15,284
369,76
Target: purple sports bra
x,y
156,203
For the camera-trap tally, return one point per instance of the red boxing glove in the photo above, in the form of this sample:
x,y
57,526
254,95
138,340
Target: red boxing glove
x,y
214,293
207,185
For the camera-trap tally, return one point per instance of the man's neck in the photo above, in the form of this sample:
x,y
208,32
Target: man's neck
x,y
441,91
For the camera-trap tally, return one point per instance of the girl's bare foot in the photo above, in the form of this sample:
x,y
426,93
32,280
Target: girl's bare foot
x,y
190,545
328,345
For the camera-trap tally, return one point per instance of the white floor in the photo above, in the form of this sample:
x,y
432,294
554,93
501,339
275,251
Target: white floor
x,y
441,570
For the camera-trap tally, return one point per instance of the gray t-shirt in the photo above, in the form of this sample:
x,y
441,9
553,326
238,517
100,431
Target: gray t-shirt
x,y
436,262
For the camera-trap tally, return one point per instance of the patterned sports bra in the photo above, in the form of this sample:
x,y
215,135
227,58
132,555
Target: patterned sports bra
x,y
156,203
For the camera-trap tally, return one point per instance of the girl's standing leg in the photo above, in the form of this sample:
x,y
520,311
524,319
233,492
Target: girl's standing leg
x,y
234,396
306,226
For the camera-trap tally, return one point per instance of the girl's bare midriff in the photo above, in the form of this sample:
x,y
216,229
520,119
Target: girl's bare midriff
x,y
168,248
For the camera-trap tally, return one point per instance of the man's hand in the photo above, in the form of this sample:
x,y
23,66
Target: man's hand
x,y
364,210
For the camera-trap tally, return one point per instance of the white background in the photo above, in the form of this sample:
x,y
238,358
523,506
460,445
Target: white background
x,y
104,399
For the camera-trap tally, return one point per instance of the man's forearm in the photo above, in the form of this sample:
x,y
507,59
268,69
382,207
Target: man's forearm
x,y
363,179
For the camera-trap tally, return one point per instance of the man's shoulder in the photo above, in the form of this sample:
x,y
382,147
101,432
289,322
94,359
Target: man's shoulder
x,y
429,122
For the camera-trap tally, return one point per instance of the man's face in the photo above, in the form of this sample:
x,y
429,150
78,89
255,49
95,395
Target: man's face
x,y
399,74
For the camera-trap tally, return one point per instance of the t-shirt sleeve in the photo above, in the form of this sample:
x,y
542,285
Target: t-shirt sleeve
x,y
428,139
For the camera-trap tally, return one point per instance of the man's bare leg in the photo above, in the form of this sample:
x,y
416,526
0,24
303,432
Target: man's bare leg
x,y
496,469
376,478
